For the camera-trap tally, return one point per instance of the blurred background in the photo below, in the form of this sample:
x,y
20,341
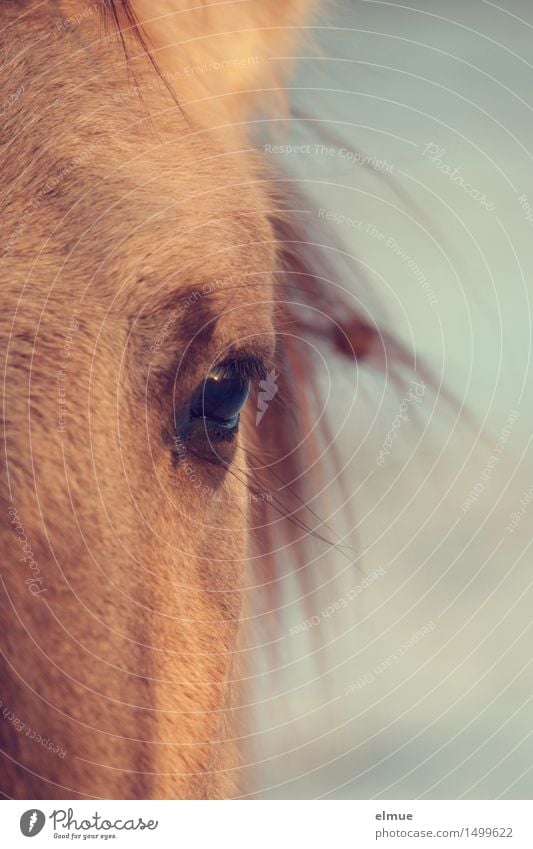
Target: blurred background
x,y
407,672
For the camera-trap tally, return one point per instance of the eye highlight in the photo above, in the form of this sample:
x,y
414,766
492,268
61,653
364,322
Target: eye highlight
x,y
221,396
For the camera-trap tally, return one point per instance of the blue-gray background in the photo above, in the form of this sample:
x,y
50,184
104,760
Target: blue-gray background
x,y
345,710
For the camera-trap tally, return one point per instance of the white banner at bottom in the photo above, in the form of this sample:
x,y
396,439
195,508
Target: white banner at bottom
x,y
268,824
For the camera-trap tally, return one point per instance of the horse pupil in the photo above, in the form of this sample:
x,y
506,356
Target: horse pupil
x,y
221,396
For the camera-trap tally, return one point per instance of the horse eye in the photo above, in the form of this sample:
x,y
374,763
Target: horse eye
x,y
221,397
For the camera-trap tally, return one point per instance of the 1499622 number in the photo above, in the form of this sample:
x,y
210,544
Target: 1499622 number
x,y
484,831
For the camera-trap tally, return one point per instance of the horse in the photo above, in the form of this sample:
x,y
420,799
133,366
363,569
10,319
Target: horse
x,y
160,304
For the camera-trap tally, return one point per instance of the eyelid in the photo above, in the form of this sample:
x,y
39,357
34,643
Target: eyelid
x,y
246,366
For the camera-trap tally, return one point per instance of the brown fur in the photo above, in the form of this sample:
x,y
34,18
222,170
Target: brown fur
x,y
116,206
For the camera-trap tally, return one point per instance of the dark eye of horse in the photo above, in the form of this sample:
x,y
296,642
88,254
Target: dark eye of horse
x,y
221,397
